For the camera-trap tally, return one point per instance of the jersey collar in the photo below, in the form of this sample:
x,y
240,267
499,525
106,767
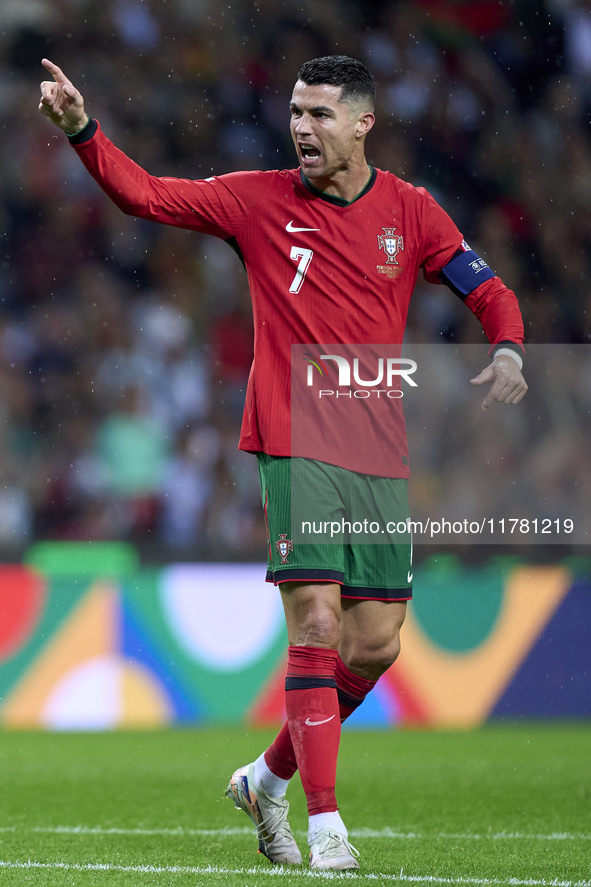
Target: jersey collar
x,y
330,198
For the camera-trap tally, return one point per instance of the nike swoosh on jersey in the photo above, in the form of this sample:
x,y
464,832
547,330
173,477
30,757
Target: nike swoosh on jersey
x,y
317,723
409,576
290,227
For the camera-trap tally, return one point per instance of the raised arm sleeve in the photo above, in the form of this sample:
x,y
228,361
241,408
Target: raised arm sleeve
x,y
219,205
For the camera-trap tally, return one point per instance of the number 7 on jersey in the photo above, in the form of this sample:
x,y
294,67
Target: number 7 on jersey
x,y
305,257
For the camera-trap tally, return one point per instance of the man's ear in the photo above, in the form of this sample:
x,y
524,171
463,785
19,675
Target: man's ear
x,y
364,124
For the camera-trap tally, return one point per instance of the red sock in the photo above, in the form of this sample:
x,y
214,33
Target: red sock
x,y
314,726
280,756
351,689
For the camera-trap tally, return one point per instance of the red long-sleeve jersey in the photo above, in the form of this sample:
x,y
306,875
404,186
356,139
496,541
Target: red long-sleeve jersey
x,y
321,272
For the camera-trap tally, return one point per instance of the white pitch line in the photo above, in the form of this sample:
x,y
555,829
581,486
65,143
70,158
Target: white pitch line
x,y
387,833
178,831
287,873
470,836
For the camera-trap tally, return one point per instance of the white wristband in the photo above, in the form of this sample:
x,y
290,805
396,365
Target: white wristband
x,y
516,357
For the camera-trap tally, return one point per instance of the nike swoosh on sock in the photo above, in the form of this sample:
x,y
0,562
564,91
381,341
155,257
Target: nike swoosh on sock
x,y
317,723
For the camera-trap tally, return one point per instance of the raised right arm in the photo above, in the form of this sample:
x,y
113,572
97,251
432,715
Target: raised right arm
x,y
206,205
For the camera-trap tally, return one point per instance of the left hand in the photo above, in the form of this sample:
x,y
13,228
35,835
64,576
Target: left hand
x,y
508,385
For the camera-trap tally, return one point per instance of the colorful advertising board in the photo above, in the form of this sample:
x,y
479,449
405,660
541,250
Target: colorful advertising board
x,y
97,643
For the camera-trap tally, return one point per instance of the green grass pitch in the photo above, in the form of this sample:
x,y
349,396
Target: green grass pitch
x,y
500,805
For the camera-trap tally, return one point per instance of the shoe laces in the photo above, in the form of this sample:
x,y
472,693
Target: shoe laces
x,y
333,841
275,825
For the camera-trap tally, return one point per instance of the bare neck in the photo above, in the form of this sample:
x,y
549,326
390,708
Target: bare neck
x,y
345,184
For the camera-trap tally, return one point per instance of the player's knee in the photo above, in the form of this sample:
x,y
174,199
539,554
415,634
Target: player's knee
x,y
319,629
372,660
391,652
313,614
382,658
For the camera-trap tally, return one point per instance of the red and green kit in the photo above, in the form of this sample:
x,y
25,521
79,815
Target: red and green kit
x,y
330,282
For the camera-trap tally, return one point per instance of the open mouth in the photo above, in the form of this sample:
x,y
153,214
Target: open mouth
x,y
309,152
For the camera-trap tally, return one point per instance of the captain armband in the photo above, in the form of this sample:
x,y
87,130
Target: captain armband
x,y
464,272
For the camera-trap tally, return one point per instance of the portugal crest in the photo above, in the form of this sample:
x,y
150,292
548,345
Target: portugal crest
x,y
391,243
284,546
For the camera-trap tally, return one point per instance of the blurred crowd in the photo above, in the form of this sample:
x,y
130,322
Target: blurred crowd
x,y
125,346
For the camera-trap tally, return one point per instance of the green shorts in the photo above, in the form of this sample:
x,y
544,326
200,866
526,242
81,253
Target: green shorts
x,y
327,524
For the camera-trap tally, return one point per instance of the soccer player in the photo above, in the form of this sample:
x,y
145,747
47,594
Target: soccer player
x,y
332,250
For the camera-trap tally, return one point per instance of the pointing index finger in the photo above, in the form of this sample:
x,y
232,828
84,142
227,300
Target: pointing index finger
x,y
57,73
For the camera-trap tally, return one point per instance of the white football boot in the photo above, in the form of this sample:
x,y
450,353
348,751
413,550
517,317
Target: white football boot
x,y
269,816
331,852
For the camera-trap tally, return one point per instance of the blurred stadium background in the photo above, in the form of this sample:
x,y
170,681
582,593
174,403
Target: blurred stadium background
x,y
131,534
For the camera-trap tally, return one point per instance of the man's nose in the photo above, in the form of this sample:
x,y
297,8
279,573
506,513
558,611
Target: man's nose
x,y
303,125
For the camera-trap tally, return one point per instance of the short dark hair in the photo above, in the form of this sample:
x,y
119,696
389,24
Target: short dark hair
x,y
340,70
